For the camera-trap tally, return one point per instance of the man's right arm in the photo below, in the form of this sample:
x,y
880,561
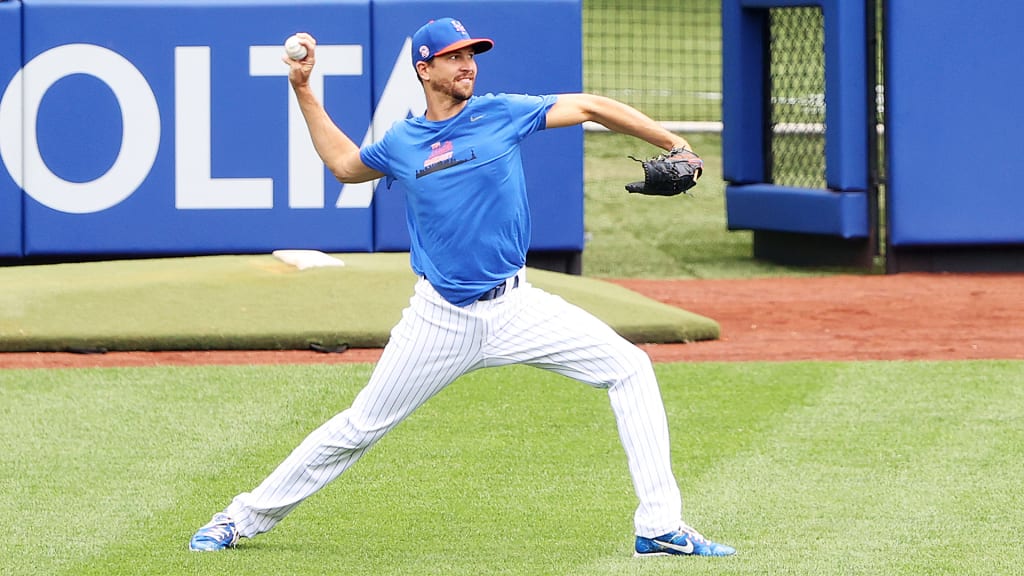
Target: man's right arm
x,y
338,152
573,109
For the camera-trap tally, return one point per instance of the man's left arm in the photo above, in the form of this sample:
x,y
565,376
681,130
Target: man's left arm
x,y
573,109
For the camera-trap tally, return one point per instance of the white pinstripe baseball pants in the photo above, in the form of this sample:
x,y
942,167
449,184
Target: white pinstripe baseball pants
x,y
435,343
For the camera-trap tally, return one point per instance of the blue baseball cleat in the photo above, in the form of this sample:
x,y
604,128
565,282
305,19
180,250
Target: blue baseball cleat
x,y
683,542
217,534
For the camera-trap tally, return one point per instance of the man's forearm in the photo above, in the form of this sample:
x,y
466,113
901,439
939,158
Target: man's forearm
x,y
330,142
573,109
619,117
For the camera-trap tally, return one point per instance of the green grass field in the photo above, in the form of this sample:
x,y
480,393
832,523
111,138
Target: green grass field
x,y
807,468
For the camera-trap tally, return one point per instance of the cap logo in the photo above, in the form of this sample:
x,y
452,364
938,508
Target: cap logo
x,y
441,37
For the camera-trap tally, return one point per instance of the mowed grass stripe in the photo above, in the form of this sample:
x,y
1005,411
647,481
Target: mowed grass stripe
x,y
894,468
96,460
865,468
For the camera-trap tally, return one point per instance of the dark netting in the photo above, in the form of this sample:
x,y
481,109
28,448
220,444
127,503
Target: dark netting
x,y
879,48
876,140
663,57
797,97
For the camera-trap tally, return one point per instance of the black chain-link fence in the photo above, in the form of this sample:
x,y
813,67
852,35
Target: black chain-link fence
x,y
797,97
876,51
664,57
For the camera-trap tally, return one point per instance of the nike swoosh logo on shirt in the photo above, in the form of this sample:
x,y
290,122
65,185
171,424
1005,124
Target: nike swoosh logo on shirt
x,y
477,117
687,549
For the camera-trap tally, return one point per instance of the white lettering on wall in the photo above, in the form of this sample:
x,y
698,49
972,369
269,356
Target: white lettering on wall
x,y
305,170
194,188
140,120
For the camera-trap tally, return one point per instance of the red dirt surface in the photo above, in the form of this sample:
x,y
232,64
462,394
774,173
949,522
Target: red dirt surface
x,y
894,317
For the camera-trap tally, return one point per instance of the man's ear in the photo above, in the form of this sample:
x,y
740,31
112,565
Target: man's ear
x,y
422,70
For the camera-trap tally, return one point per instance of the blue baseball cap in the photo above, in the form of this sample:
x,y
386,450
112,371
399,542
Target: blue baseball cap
x,y
442,36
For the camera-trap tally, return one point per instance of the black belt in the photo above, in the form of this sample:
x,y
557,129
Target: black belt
x,y
499,290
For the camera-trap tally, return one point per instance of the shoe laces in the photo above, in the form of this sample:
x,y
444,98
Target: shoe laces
x,y
219,528
689,530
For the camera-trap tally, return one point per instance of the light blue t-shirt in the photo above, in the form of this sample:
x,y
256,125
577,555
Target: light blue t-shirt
x,y
466,204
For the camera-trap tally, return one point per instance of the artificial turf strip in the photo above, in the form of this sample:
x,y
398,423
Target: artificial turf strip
x,y
258,302
875,468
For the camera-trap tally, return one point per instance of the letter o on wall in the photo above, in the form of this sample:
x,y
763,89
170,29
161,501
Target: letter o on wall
x,y
140,139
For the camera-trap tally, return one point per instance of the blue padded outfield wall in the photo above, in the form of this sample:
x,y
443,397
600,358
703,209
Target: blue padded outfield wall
x,y
10,134
954,180
149,127
954,87
752,202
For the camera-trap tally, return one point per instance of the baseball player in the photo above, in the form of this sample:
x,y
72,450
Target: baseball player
x,y
473,306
